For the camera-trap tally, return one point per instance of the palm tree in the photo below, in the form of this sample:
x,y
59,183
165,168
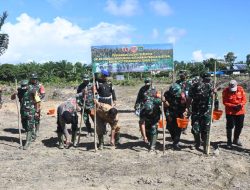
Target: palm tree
x,y
4,38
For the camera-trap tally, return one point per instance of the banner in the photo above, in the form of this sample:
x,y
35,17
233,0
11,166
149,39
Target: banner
x,y
132,58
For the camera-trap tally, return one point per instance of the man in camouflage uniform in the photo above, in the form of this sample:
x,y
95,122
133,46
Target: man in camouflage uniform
x,y
185,85
174,107
105,113
29,109
1,101
67,114
105,90
200,106
88,96
34,83
141,94
149,117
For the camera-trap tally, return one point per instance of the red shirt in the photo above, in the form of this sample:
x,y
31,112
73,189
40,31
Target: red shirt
x,y
232,99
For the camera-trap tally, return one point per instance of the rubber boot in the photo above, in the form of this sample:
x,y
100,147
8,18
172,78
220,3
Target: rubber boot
x,y
237,133
37,130
197,141
153,140
73,138
28,140
229,138
33,136
60,140
101,142
117,138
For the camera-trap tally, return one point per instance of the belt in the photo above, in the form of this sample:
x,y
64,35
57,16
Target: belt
x,y
105,98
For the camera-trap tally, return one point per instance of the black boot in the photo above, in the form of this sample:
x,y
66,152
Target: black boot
x,y
28,140
117,138
197,141
73,138
101,142
237,132
229,138
153,140
60,140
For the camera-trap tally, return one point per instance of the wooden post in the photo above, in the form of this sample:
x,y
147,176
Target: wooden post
x,y
95,144
162,117
18,118
212,109
83,109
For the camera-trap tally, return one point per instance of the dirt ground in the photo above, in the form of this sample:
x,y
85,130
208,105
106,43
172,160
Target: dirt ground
x,y
129,166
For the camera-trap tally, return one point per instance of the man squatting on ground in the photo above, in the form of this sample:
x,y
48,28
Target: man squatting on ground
x,y
67,114
29,109
105,113
174,107
149,117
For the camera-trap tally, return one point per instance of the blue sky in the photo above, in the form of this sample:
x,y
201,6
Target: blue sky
x,y
53,30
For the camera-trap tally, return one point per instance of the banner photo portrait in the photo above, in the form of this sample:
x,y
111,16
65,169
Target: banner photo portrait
x,y
132,58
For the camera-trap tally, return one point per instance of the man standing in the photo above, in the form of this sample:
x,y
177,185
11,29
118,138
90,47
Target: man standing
x,y
1,101
141,94
39,88
105,89
149,117
105,113
200,106
175,108
67,114
185,85
29,109
88,93
234,99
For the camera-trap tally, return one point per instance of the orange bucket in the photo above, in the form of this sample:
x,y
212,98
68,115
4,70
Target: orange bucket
x,y
161,124
182,122
217,114
51,111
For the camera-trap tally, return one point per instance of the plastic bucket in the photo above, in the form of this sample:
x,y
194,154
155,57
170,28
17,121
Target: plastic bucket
x,y
217,114
161,124
51,111
182,122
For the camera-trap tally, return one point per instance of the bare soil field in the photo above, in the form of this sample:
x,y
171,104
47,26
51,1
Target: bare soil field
x,y
129,166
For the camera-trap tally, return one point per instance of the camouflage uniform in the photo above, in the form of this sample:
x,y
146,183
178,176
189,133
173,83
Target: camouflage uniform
x,y
103,117
149,116
177,107
67,114
41,92
87,88
29,109
141,94
1,101
201,94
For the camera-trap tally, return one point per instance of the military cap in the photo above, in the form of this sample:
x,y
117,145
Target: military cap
x,y
85,77
175,89
33,76
147,80
24,83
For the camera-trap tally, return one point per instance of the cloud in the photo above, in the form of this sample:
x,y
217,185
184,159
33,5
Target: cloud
x,y
31,39
126,8
155,33
173,34
198,55
161,7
